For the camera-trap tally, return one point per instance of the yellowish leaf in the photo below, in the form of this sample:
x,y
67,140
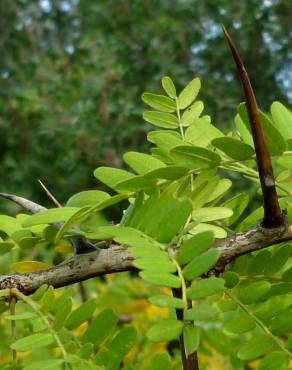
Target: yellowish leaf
x,y
28,266
65,249
81,329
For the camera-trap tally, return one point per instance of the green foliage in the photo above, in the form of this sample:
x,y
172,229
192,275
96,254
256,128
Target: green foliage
x,y
62,78
177,203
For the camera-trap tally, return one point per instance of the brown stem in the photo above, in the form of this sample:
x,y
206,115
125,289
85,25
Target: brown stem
x,y
12,304
83,292
189,362
273,215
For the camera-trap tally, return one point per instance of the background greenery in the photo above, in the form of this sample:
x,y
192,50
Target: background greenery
x,y
71,76
72,72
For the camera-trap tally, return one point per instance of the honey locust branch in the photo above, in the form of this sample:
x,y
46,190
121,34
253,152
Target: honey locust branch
x,y
117,258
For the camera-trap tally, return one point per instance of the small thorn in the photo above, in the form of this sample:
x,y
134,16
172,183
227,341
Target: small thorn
x,y
49,194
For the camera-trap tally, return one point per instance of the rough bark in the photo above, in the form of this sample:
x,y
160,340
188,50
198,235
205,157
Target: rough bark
x,y
118,258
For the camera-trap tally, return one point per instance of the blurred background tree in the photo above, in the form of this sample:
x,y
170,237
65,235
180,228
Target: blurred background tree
x,y
72,72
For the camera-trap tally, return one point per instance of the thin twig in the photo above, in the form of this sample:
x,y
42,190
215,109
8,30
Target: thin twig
x,y
273,215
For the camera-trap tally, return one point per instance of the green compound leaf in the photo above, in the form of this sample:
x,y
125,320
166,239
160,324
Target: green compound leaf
x,y
191,114
111,176
285,162
282,323
5,247
251,220
142,163
243,130
159,264
240,322
195,157
85,350
22,316
129,213
219,232
231,279
28,243
227,305
191,335
189,93
167,172
155,217
220,189
136,183
77,218
278,259
51,364
195,246
201,132
87,198
122,342
276,143
165,140
200,312
259,262
237,204
159,102
208,214
161,300
50,216
273,306
62,313
168,86
253,292
204,186
165,330
283,119
162,279
102,357
146,250
9,224
275,140
287,276
255,347
101,327
48,299
159,361
161,119
205,287
32,342
234,148
38,294
81,314
201,264
274,361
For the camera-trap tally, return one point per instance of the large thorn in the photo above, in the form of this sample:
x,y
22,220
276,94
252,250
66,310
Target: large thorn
x,y
27,204
273,215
